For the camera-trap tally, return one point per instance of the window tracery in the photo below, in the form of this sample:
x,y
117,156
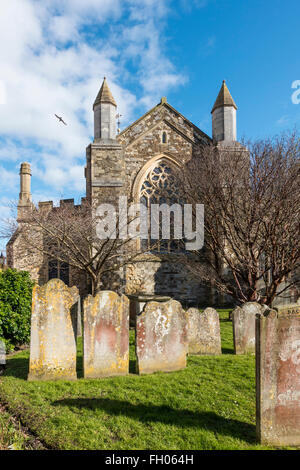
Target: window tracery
x,y
160,186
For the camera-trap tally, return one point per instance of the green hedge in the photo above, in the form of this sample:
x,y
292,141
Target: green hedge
x,y
15,307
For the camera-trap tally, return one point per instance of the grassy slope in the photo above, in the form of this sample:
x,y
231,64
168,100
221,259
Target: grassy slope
x,y
209,405
10,436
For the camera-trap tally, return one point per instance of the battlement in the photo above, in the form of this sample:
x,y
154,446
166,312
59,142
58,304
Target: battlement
x,y
49,205
46,205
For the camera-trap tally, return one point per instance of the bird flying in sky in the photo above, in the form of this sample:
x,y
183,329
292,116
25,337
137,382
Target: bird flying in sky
x,y
60,119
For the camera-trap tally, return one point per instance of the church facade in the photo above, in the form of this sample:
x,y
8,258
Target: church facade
x,y
134,163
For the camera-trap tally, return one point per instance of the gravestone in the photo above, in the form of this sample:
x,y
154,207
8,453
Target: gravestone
x,y
278,376
138,302
106,335
161,337
203,330
53,338
78,318
243,321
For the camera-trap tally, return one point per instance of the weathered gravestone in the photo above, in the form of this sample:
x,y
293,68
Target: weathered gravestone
x,y
53,332
278,376
161,337
203,331
243,321
106,335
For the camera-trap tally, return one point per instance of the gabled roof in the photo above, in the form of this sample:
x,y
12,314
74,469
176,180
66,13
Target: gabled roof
x,y
224,98
104,95
164,103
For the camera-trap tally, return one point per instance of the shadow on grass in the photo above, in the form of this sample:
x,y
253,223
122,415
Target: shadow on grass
x,y
79,366
207,420
132,366
19,367
227,350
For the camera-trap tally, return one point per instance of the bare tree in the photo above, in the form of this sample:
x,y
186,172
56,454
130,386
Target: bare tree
x,y
68,234
251,198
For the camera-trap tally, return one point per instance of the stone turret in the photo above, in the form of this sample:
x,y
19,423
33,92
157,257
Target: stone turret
x,y
105,166
104,115
224,116
25,198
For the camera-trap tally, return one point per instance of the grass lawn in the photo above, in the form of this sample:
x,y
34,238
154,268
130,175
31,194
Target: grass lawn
x,y
209,405
11,436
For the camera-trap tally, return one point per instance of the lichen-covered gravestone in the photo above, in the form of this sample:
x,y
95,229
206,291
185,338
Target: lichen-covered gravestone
x,y
106,335
203,332
53,339
278,376
243,321
161,337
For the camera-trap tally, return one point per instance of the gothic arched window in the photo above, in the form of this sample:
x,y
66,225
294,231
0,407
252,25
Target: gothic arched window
x,y
164,138
160,186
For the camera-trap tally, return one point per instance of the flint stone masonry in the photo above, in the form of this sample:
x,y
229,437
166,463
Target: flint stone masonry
x,y
161,338
243,321
53,332
106,335
278,377
203,332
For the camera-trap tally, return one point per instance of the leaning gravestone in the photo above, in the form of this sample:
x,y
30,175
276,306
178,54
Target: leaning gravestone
x,y
243,321
203,330
106,335
161,337
53,339
278,376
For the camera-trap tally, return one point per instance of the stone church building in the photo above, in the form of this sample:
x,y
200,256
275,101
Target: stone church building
x,y
134,163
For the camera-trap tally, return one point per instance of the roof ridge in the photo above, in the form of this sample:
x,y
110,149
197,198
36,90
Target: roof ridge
x,y
163,103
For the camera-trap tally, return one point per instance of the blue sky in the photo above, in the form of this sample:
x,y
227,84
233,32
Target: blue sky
x,y
54,54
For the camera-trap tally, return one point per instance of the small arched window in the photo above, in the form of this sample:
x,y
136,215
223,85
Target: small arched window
x,y
164,138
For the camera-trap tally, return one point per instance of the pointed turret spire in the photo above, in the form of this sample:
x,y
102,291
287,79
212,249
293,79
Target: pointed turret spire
x,y
224,116
224,98
105,114
104,95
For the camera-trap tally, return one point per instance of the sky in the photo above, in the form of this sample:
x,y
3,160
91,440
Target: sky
x,y
55,53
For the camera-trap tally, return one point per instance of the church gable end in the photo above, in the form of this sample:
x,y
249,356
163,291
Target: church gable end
x,y
160,133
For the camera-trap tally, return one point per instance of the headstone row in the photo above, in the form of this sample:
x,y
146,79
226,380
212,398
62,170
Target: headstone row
x,y
165,334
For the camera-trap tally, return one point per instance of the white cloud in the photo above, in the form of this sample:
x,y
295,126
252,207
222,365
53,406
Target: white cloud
x,y
283,120
54,54
9,179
